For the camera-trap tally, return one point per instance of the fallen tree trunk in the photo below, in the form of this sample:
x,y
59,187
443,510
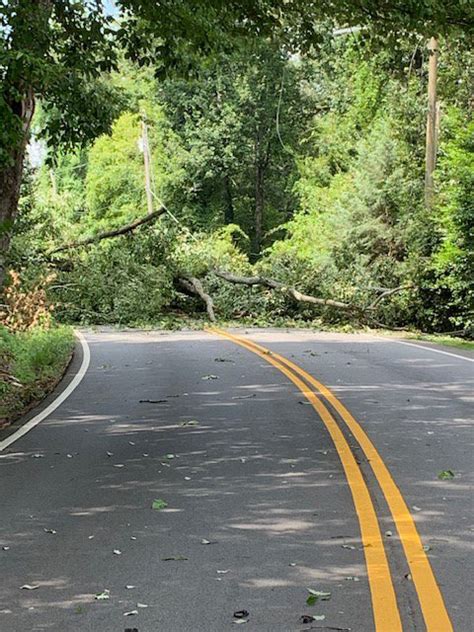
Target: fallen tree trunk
x,y
277,285
128,228
193,286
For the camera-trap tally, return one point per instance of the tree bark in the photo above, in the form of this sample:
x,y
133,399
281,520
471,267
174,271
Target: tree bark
x,y
11,176
277,285
193,286
18,93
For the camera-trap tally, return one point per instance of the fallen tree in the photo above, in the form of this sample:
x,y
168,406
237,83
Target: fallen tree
x,y
193,286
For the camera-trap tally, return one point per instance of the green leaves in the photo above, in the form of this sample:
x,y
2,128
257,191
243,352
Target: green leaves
x,y
445,475
158,504
317,595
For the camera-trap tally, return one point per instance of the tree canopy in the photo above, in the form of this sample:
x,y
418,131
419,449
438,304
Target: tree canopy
x,y
286,141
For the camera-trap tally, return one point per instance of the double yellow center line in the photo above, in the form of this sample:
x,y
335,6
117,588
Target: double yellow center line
x,y
384,602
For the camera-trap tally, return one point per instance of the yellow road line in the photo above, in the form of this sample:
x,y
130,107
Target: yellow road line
x,y
431,600
385,609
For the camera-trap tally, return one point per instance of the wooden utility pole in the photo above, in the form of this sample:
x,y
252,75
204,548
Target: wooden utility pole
x,y
147,161
431,123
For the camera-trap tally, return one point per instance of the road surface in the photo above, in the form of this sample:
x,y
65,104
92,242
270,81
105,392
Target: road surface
x,y
274,484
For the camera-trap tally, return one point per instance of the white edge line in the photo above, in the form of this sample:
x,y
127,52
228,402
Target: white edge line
x,y
86,356
413,344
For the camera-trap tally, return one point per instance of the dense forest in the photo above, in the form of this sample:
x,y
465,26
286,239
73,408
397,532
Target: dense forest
x,y
266,161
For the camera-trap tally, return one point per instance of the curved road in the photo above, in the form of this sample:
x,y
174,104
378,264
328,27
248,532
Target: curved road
x,y
269,489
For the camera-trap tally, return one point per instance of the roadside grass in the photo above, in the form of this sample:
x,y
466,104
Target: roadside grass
x,y
31,364
448,341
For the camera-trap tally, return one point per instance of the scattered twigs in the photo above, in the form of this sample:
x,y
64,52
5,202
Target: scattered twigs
x,y
277,285
193,286
128,228
8,378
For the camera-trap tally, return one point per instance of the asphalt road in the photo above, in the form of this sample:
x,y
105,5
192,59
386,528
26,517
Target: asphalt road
x,y
260,504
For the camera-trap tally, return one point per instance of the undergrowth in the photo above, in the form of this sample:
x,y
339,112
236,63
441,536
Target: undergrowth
x,y
31,362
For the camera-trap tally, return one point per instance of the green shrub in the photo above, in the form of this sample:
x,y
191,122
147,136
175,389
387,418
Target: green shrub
x,y
30,364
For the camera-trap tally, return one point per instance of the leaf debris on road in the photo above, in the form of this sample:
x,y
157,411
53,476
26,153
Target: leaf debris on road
x,y
445,475
317,595
158,504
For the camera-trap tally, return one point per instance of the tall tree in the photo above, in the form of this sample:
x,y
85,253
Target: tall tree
x,y
240,122
53,50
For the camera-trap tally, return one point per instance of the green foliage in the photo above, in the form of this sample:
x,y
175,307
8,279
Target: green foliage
x,y
451,282
363,226
338,146
196,254
114,182
36,359
123,281
69,50
239,122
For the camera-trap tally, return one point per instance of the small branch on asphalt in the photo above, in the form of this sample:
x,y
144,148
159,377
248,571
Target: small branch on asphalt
x,y
193,286
128,228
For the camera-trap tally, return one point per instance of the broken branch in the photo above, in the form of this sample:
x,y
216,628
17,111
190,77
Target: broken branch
x,y
128,228
388,292
277,285
194,286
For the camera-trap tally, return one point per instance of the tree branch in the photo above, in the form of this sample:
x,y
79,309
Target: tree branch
x,y
128,228
277,285
192,285
388,292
